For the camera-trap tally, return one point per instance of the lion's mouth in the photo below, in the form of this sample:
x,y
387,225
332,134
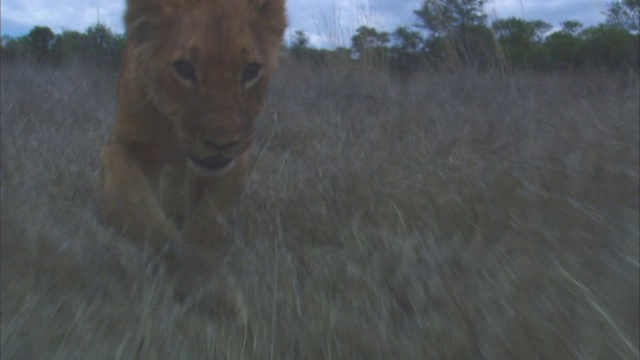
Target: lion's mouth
x,y
214,165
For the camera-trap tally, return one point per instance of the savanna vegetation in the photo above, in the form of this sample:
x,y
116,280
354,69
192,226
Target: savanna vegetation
x,y
449,34
472,210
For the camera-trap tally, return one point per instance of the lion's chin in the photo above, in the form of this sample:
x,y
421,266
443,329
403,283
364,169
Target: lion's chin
x,y
212,166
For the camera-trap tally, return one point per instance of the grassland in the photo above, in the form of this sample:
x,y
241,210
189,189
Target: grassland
x,y
442,216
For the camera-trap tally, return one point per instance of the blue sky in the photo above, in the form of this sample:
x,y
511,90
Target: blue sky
x,y
327,22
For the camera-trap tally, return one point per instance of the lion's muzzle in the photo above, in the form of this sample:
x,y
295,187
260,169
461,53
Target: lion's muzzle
x,y
213,141
216,165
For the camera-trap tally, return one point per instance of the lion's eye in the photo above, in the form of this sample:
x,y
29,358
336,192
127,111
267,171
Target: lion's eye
x,y
250,73
185,69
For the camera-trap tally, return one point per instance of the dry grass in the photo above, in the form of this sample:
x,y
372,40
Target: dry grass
x,y
444,216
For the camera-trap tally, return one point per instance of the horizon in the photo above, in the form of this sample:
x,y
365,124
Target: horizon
x,y
331,24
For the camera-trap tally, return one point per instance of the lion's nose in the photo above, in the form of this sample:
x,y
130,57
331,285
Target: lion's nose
x,y
222,143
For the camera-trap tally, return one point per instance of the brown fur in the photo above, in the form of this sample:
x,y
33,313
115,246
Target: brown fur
x,y
152,189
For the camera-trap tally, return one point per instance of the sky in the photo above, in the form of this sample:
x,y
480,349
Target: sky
x,y
328,23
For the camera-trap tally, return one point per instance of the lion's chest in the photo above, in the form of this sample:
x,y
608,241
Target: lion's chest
x,y
187,198
176,191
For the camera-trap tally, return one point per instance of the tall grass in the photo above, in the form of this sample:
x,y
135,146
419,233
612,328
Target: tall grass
x,y
453,216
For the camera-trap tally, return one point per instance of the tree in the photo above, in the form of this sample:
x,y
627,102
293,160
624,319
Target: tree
x,y
408,40
40,41
69,45
368,38
370,45
299,43
442,16
454,27
540,29
609,46
299,40
563,45
15,49
406,52
624,13
479,49
571,27
519,31
103,46
521,40
3,46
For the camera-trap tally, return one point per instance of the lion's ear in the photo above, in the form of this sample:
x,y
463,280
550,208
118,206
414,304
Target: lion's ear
x,y
138,31
274,4
271,13
141,20
146,18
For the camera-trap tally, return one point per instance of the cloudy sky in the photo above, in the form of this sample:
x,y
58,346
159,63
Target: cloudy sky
x,y
327,22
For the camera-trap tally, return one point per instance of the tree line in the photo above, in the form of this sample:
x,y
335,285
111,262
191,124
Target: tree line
x,y
457,33
97,45
448,34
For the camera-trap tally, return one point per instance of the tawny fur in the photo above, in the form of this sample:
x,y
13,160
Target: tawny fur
x,y
152,189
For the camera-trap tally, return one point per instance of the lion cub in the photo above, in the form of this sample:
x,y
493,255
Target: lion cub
x,y
192,83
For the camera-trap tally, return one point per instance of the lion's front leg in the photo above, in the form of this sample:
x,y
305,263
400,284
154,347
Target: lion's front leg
x,y
204,231
212,200
129,203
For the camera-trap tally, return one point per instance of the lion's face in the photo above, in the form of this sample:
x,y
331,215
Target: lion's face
x,y
206,69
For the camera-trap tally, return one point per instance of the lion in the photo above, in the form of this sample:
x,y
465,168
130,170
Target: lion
x,y
192,82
